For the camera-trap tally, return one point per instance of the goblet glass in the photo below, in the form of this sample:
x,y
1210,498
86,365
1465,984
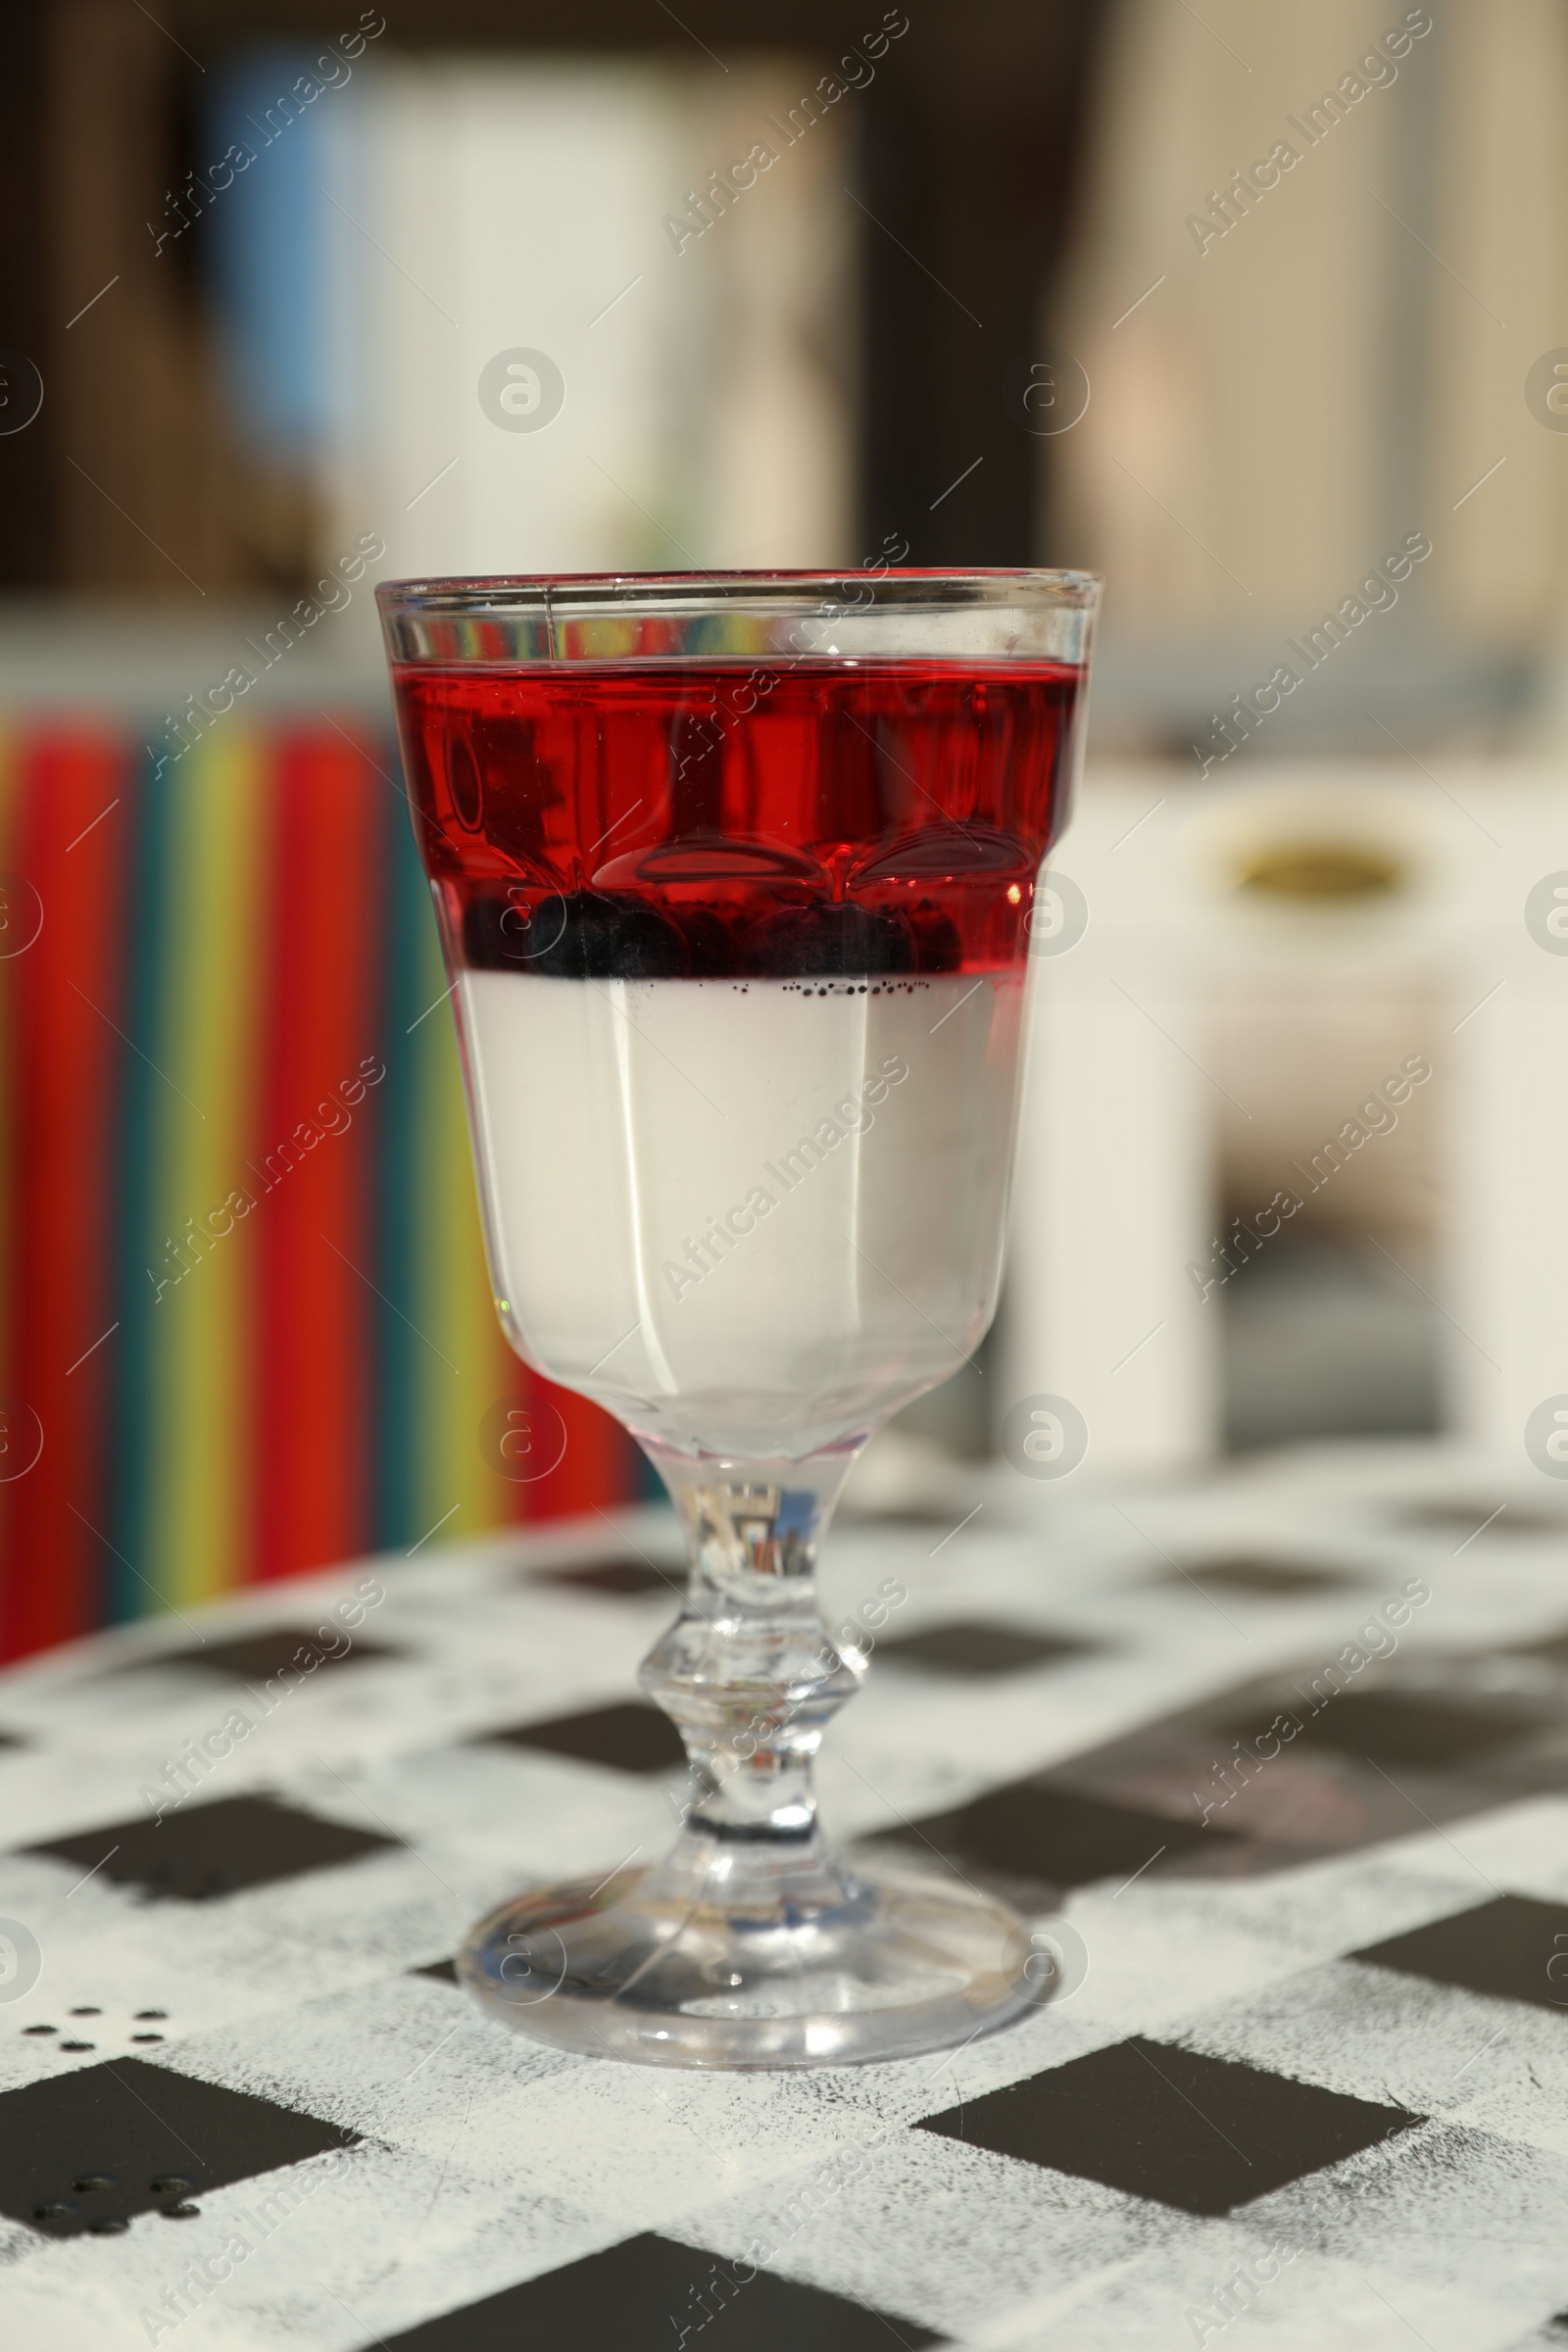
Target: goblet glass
x,y
734,877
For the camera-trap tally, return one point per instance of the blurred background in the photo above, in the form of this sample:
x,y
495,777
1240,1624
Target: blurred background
x,y
1260,312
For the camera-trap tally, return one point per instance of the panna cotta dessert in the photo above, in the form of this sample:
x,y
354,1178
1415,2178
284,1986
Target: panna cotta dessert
x,y
739,960
744,1211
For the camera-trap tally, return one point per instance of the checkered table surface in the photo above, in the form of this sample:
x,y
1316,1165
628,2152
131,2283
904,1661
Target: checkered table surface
x,y
1291,1744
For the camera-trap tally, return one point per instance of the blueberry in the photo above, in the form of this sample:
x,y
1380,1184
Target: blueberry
x,y
577,935
830,943
937,944
620,939
711,943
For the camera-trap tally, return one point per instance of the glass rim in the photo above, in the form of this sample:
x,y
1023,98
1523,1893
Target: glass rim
x,y
559,594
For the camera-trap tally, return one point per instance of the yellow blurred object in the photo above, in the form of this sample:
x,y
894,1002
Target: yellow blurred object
x,y
1321,870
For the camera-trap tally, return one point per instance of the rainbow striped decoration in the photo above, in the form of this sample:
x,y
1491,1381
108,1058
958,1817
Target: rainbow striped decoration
x,y
245,1323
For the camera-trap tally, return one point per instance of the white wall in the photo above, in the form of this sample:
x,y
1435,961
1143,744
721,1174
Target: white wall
x,y
480,205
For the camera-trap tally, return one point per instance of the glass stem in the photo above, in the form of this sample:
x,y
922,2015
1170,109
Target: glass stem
x,y
747,1671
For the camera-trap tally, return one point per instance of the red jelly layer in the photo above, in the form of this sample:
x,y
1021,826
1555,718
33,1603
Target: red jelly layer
x,y
645,820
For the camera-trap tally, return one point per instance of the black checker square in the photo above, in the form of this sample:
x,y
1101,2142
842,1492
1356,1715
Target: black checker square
x,y
899,1514
261,1657
440,1972
1253,1576
977,1646
1514,1948
1202,2135
197,1852
1388,1727
1469,1518
1552,1649
630,1736
1033,1833
650,2294
624,1579
87,2151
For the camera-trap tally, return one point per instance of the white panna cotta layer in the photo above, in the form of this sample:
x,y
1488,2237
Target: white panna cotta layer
x,y
745,1214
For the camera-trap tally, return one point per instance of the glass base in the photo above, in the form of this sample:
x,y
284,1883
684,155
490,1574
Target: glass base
x,y
731,1955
